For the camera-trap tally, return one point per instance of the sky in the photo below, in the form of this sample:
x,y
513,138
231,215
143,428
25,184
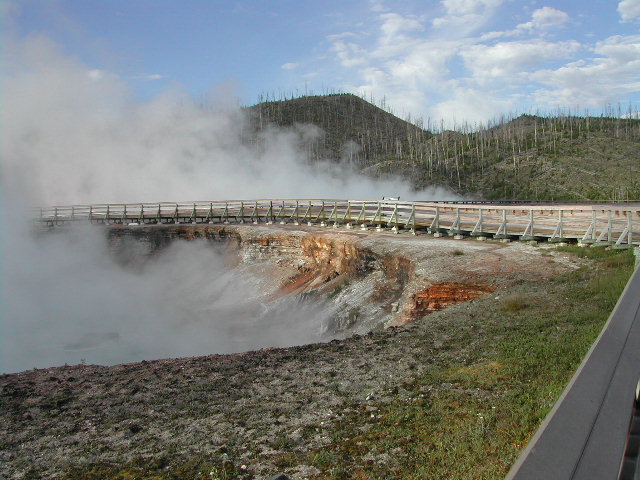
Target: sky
x,y
456,60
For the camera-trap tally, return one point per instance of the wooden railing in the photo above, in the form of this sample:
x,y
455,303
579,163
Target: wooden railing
x,y
598,224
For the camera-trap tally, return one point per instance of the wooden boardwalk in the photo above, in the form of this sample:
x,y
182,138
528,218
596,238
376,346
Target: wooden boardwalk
x,y
615,224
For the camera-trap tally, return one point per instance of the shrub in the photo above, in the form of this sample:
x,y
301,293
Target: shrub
x,y
514,303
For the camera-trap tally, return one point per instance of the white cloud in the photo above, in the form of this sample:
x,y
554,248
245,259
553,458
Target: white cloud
x,y
95,74
425,64
468,7
149,77
505,59
545,18
471,105
594,82
289,66
421,67
465,16
378,6
339,36
629,10
394,25
349,54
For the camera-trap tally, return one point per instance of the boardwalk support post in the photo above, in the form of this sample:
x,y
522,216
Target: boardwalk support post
x,y
411,221
321,216
270,213
434,228
347,216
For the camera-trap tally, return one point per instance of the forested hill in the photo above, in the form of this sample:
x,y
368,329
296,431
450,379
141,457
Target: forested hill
x,y
350,128
562,157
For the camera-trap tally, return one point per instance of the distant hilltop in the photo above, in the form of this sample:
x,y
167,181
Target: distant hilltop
x,y
548,158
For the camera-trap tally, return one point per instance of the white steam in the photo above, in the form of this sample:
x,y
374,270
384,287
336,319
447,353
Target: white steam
x,y
72,137
68,136
64,307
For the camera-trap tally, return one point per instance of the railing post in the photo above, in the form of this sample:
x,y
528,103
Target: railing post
x,y
434,228
478,229
503,230
362,217
411,221
528,234
455,226
295,216
270,218
210,213
254,213
224,217
321,216
504,221
334,215
241,213
394,219
347,215
377,217
561,223
307,215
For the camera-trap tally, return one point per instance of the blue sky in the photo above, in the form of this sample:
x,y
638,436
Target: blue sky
x,y
461,60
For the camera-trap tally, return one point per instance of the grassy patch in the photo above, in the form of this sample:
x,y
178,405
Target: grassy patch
x,y
595,253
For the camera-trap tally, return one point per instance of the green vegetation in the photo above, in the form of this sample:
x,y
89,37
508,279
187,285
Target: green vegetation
x,y
561,157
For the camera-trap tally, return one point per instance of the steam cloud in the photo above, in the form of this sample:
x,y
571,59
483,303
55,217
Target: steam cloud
x,y
70,135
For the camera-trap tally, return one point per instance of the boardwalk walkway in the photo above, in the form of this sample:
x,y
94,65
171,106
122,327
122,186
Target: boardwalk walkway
x,y
615,224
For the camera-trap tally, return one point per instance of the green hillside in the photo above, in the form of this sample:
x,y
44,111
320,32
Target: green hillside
x,y
562,158
350,128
